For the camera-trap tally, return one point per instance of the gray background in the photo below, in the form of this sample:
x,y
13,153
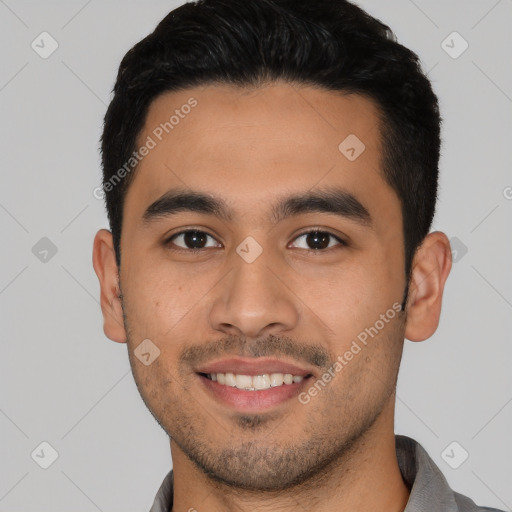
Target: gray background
x,y
65,383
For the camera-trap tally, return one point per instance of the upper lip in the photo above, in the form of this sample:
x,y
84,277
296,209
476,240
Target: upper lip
x,y
259,366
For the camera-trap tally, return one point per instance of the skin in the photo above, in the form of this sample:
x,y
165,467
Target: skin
x,y
251,146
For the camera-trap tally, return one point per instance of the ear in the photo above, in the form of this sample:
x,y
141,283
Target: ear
x,y
431,265
105,266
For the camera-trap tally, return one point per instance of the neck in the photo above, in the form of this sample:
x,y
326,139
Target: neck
x,y
366,477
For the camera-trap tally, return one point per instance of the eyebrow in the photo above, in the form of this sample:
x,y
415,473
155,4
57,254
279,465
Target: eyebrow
x,y
335,201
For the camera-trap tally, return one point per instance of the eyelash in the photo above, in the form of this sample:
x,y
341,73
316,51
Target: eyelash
x,y
167,242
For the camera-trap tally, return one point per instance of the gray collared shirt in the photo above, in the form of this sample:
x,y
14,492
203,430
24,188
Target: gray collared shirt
x,y
429,489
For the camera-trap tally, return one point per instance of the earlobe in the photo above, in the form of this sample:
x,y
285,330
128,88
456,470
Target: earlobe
x,y
105,266
431,267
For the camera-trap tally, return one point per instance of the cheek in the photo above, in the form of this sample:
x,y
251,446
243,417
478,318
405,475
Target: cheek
x,y
344,296
159,296
382,279
369,360
156,384
350,298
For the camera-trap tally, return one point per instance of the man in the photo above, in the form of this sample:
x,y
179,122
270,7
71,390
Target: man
x,y
270,170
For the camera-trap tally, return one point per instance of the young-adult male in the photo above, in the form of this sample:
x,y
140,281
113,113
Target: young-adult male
x,y
270,171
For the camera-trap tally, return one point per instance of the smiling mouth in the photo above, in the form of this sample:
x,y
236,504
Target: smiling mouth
x,y
255,382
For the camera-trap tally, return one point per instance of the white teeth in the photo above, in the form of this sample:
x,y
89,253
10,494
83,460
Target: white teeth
x,y
229,379
261,381
243,381
249,382
276,379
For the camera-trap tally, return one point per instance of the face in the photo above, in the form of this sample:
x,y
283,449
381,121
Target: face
x,y
254,280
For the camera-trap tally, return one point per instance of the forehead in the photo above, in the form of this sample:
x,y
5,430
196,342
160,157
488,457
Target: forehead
x,y
249,144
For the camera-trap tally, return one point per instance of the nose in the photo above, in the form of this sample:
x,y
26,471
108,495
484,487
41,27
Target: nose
x,y
254,301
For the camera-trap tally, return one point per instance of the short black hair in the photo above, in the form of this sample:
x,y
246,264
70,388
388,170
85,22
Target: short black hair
x,y
330,44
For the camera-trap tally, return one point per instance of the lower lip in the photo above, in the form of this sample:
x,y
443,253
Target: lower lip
x,y
253,401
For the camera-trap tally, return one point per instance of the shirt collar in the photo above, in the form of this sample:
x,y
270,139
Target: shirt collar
x,y
428,487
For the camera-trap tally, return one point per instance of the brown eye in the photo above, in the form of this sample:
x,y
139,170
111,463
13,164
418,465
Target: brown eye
x,y
191,240
317,240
